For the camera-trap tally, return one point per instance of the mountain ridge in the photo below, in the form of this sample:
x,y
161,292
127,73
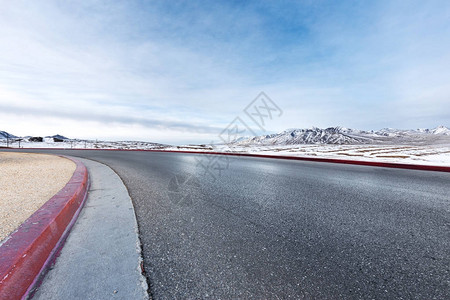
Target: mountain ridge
x,y
331,135
347,136
5,135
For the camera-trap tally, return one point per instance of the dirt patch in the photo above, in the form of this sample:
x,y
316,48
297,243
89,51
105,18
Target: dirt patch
x,y
432,153
393,156
349,154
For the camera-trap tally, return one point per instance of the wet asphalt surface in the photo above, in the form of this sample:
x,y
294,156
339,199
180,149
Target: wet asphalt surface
x,y
279,229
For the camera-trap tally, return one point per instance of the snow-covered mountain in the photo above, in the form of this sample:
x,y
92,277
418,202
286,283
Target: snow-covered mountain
x,y
441,130
341,136
5,135
332,135
58,136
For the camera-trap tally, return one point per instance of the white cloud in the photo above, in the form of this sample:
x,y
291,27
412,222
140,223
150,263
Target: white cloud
x,y
166,71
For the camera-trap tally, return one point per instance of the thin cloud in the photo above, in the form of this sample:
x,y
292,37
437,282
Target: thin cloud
x,y
79,115
190,67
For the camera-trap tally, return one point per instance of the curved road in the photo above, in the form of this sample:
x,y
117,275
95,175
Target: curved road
x,y
269,229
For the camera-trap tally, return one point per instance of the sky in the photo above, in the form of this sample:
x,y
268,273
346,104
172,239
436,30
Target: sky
x,y
180,72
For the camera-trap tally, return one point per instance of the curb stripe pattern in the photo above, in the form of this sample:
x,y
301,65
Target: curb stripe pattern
x,y
29,251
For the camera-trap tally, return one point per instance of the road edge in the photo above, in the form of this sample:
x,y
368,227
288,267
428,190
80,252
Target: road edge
x,y
98,270
300,158
338,161
27,253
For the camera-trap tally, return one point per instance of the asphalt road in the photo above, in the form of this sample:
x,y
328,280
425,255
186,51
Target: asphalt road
x,y
269,229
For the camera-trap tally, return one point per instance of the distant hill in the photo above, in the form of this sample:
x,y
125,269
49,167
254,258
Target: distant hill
x,y
340,135
5,135
57,136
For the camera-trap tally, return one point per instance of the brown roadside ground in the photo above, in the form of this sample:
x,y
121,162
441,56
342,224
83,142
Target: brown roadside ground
x,y
27,181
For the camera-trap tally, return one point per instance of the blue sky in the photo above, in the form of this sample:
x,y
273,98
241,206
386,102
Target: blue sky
x,y
181,71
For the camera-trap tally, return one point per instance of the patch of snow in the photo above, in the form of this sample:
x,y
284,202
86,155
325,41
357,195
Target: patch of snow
x,y
441,130
421,146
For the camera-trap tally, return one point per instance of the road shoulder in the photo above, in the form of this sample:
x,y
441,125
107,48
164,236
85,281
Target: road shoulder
x,y
102,256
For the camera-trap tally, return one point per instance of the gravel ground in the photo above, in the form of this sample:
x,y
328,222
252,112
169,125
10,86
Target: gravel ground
x,y
27,181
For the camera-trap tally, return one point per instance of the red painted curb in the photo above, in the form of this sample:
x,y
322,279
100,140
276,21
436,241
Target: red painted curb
x,y
316,159
28,252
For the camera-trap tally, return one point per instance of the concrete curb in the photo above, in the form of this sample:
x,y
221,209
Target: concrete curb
x,y
28,252
101,258
316,159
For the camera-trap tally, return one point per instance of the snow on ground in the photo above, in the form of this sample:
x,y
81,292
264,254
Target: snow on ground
x,y
82,144
424,155
412,154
